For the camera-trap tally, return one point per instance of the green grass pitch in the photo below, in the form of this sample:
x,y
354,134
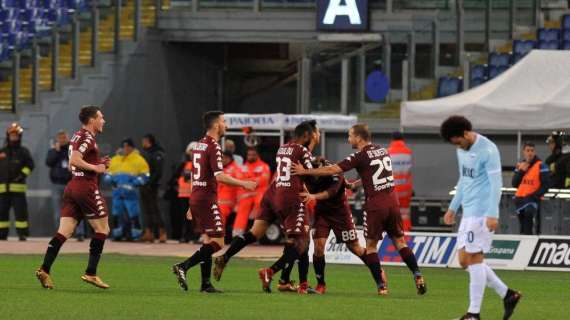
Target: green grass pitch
x,y
144,288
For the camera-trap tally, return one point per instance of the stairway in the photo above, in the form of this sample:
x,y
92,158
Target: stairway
x,y
105,45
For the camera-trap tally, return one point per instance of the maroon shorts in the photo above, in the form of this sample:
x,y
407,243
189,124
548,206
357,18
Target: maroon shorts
x,y
339,220
294,220
383,219
207,218
82,200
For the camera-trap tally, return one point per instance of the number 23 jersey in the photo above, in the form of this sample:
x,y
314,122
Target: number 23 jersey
x,y
287,186
374,167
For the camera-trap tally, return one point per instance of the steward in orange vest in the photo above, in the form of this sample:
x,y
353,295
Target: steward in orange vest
x,y
401,157
531,181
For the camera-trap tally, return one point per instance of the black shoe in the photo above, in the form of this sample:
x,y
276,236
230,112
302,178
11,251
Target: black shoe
x,y
180,276
209,288
22,238
80,238
470,316
510,302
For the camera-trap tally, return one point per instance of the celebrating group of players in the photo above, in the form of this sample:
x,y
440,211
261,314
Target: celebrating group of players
x,y
299,178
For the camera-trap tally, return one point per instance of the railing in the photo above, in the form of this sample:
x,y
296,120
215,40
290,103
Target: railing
x,y
45,40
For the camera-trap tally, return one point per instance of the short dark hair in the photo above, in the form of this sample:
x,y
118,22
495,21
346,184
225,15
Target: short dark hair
x,y
302,128
312,123
454,126
88,112
529,144
129,142
361,130
252,149
151,138
210,117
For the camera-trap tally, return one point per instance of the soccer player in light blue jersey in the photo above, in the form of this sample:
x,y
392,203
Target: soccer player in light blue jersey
x,y
478,193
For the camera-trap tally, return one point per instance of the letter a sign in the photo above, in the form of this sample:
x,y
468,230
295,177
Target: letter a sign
x,y
342,15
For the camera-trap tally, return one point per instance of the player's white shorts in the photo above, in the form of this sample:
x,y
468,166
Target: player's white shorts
x,y
474,236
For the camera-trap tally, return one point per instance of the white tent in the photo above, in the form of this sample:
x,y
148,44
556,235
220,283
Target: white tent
x,y
534,94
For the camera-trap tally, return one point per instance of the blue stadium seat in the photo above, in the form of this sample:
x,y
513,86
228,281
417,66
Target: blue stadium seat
x,y
548,34
566,21
6,4
521,48
9,14
448,86
10,27
566,35
477,81
494,71
548,45
478,71
499,59
565,45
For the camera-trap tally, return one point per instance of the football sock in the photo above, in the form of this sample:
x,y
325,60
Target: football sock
x,y
53,249
238,243
373,263
303,266
203,254
477,280
319,265
206,270
410,259
494,282
289,256
95,250
286,272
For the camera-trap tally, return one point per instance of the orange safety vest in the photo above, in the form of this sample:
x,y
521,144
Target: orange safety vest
x,y
530,181
258,171
227,194
185,187
401,157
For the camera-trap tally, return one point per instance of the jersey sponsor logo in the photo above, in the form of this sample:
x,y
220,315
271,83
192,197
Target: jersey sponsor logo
x,y
199,183
503,249
429,250
467,172
551,253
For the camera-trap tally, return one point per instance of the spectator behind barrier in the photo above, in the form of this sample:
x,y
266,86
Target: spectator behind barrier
x,y
57,160
154,156
231,147
127,172
531,181
558,160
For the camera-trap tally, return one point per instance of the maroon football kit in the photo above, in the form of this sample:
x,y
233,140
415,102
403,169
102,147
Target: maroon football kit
x,y
206,165
281,200
81,197
382,213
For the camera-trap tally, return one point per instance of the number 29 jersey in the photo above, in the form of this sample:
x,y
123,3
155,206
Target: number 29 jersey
x,y
374,167
287,186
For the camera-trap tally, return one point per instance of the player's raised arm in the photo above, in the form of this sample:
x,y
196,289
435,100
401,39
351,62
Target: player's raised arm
x,y
224,178
76,160
298,169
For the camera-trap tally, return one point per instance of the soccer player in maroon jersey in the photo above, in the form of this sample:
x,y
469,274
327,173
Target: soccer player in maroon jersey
x,y
207,172
281,202
374,167
332,212
82,199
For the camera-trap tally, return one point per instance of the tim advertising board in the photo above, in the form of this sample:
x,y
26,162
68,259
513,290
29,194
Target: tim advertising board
x,y
551,253
430,249
342,15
